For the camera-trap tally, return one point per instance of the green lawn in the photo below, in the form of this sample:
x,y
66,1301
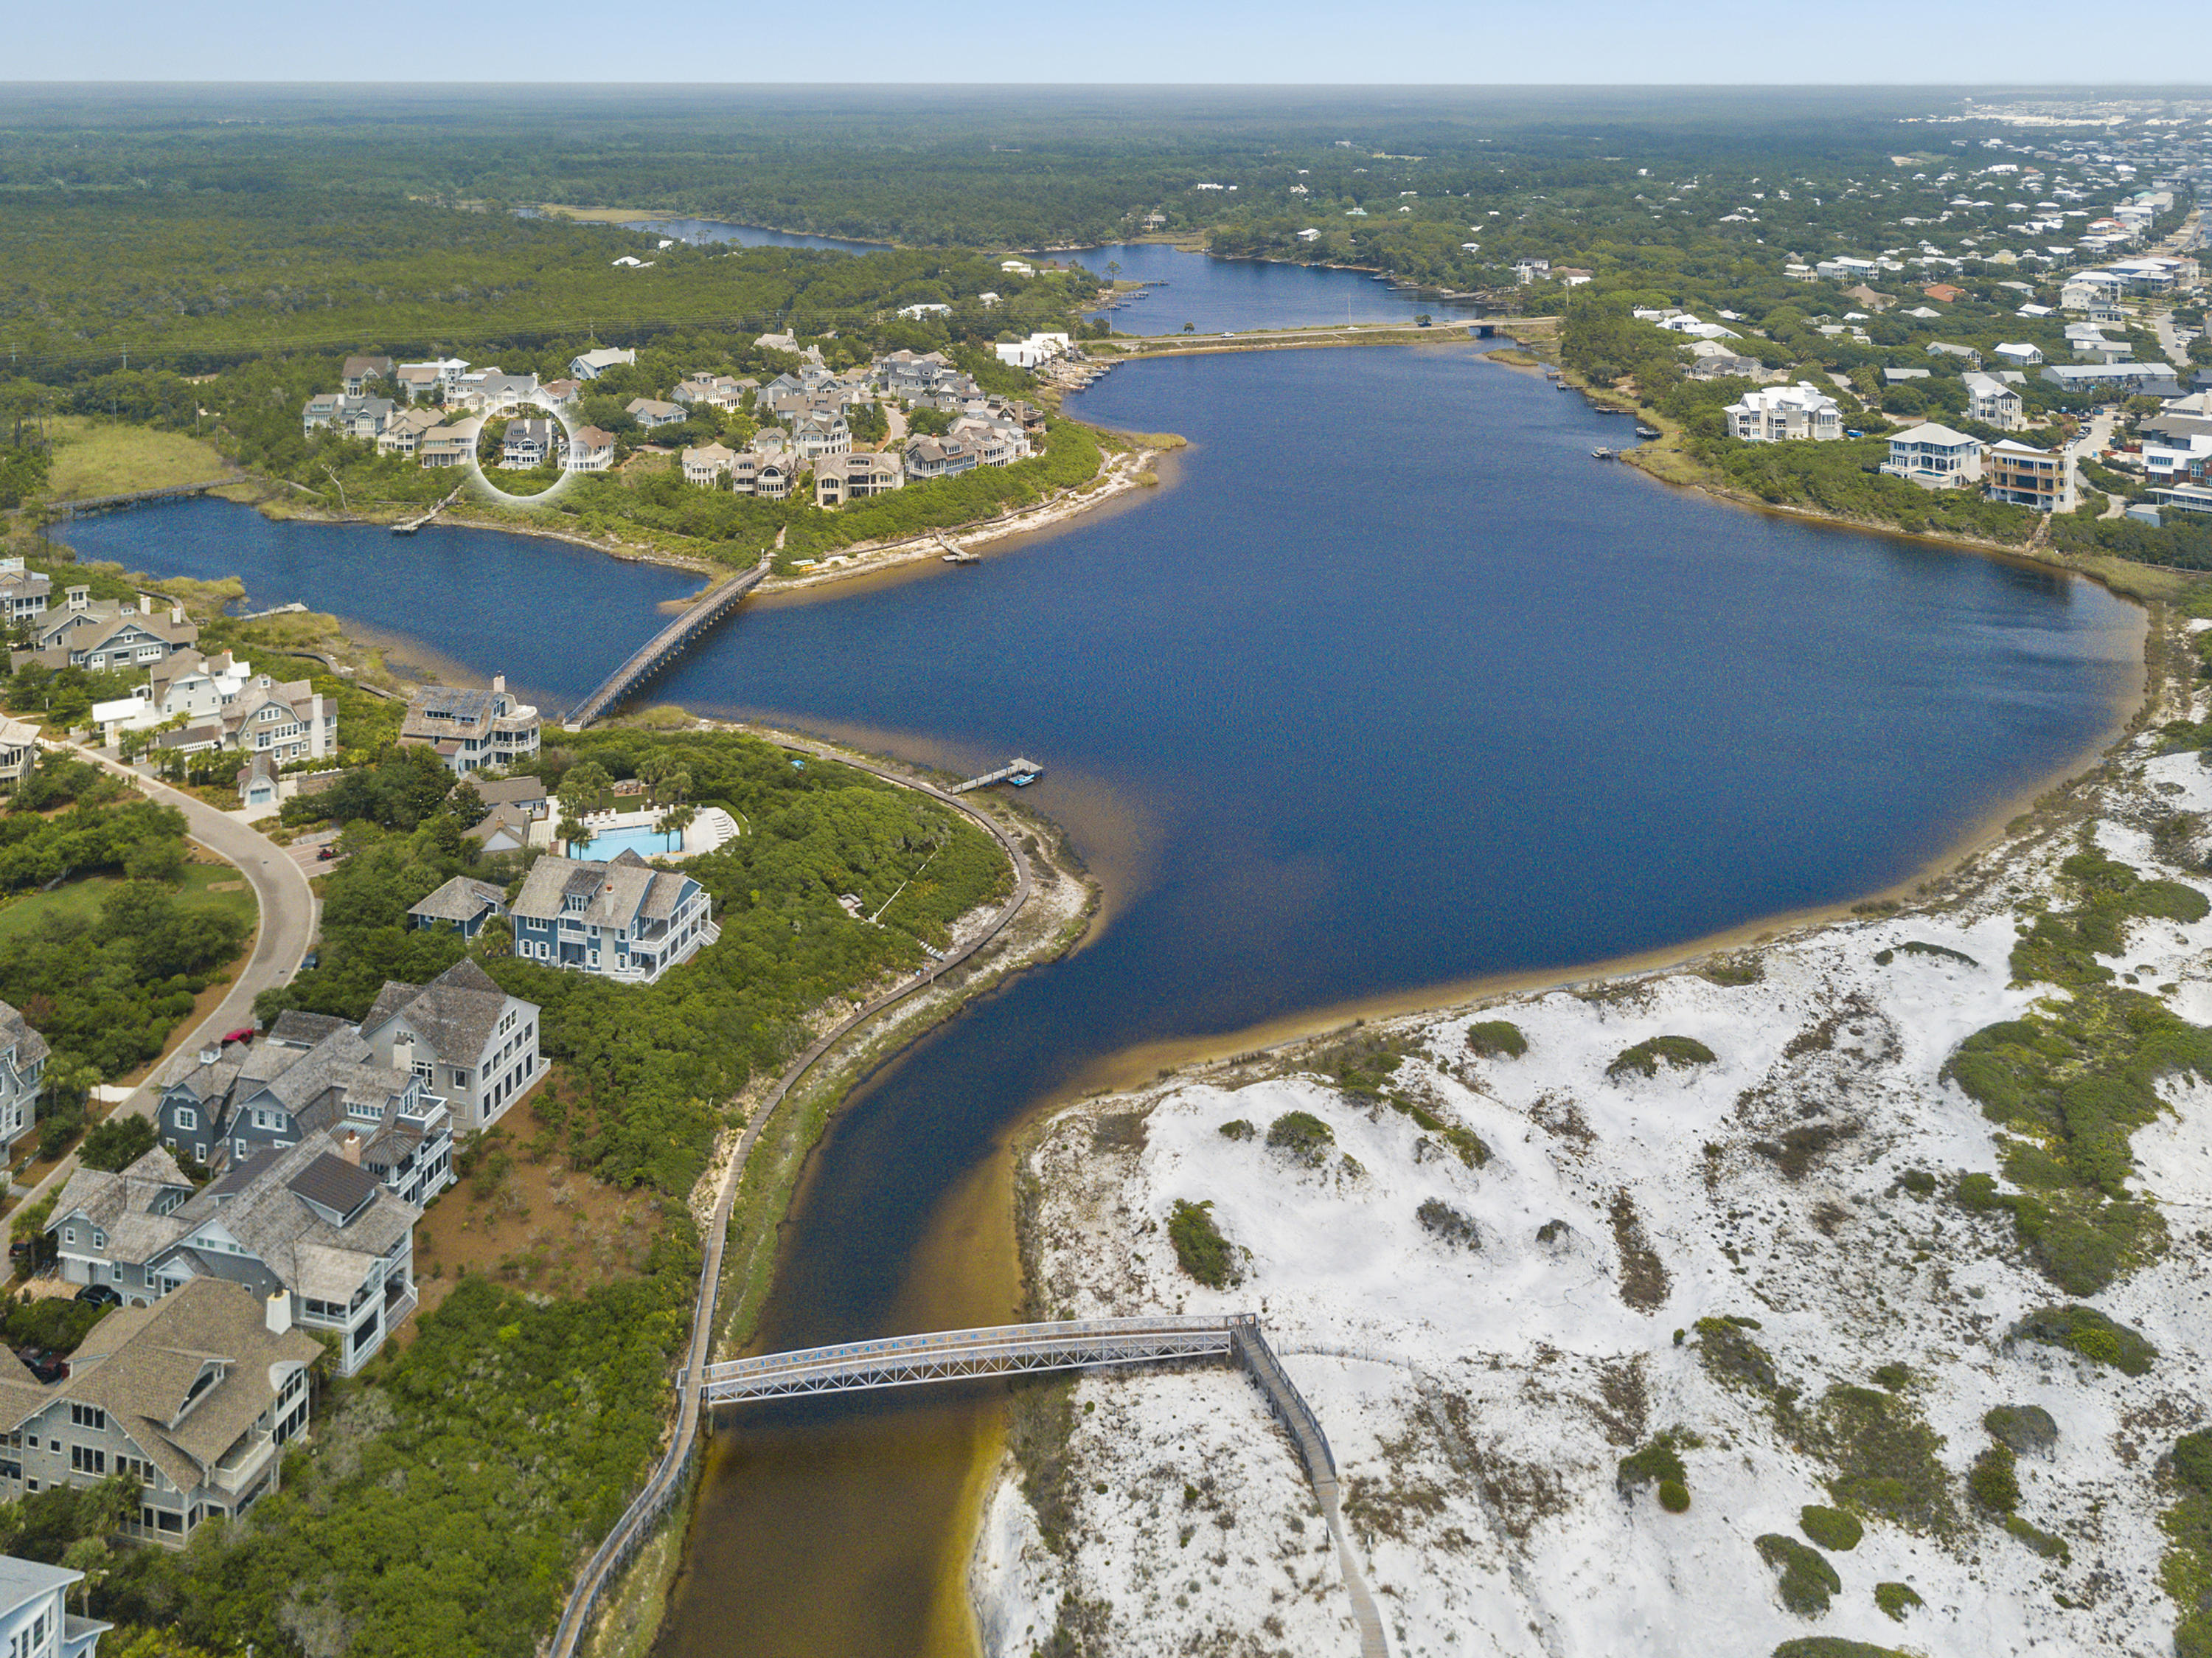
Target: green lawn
x,y
83,898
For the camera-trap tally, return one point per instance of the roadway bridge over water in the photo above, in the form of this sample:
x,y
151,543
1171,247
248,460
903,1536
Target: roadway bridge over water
x,y
665,646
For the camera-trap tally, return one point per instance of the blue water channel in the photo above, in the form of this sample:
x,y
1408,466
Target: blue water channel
x,y
1215,295
1391,685
700,231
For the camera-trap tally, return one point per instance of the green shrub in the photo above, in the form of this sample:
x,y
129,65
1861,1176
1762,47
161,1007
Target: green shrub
x,y
1807,1579
1199,1248
2086,1330
1657,1462
1831,1646
1305,1135
1440,1220
2050,1547
1730,1355
1896,1600
2025,1429
1883,1455
1673,1497
1977,1193
1680,1052
1894,1378
1831,1528
1940,952
1734,970
2193,1461
1994,1480
1237,1129
1918,1181
1492,1038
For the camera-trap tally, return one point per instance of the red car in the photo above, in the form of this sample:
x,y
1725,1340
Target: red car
x,y
244,1034
326,853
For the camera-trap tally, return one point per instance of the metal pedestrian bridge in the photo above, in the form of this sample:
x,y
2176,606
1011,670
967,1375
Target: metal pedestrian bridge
x,y
951,1355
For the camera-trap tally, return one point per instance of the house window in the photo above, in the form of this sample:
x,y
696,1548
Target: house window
x,y
98,1239
187,1118
69,1234
87,1416
199,1151
84,1460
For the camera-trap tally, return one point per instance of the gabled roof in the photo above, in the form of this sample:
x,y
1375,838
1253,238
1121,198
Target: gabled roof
x,y
460,900
455,1013
141,1365
15,1032
516,791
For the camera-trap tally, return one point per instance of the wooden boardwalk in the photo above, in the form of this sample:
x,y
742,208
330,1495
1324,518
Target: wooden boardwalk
x,y
68,510
951,1355
665,646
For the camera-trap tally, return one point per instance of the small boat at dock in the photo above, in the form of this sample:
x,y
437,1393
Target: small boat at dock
x,y
1643,430
963,559
1601,452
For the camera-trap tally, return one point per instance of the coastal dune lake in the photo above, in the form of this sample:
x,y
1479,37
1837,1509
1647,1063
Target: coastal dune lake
x,y
1389,686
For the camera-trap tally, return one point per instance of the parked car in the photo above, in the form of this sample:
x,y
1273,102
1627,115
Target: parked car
x,y
99,1295
47,1367
326,853
243,1033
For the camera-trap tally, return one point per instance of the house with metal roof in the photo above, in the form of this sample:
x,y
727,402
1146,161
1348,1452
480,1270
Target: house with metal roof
x,y
307,1221
35,1614
623,920
23,1054
590,365
463,1035
194,1396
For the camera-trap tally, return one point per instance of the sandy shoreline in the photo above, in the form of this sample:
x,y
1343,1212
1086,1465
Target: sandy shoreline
x,y
1478,1403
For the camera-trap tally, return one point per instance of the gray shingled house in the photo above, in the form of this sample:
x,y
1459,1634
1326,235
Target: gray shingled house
x,y
463,903
23,1054
309,1221
622,919
196,1396
222,1106
462,1034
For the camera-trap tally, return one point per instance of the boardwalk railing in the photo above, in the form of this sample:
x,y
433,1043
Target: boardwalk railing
x,y
68,510
665,646
948,1355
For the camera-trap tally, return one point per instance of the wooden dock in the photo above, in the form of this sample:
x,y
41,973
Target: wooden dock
x,y
667,645
1012,769
408,526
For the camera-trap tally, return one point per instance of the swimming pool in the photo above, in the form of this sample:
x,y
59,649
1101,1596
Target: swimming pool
x,y
642,840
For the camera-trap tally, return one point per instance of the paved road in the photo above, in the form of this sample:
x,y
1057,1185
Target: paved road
x,y
290,915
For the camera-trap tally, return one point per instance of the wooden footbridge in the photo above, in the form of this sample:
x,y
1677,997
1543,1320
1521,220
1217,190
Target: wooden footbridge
x,y
65,511
665,646
952,1355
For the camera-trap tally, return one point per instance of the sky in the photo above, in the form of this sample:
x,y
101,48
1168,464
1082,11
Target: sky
x,y
1304,42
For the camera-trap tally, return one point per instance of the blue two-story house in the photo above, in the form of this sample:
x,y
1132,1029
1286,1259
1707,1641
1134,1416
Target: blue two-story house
x,y
622,919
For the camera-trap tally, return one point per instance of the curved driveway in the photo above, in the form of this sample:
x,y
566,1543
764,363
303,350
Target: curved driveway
x,y
290,915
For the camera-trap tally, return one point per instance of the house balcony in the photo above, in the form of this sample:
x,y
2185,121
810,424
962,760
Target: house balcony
x,y
243,1464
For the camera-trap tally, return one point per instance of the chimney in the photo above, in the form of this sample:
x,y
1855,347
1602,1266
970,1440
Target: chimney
x,y
350,1147
276,1312
210,1054
176,615
152,603
499,683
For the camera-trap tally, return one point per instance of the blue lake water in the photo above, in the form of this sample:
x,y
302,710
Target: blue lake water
x,y
1213,294
1392,685
748,235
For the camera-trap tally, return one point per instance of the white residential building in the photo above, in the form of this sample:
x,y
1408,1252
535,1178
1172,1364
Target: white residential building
x,y
1993,403
590,365
35,1621
462,1035
1934,457
1773,414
